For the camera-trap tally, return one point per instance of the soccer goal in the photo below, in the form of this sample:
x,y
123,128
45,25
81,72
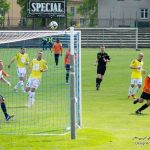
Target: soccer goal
x,y
52,113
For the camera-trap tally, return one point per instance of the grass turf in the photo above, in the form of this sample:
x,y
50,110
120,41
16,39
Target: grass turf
x,y
109,122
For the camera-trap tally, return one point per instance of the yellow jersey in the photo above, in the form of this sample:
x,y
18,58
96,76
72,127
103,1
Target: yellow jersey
x,y
37,66
136,73
22,59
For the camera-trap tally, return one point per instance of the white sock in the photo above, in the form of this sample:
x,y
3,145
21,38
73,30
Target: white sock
x,y
7,82
130,91
31,97
136,90
17,85
22,85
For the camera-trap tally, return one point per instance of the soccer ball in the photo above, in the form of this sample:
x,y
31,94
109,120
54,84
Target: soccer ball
x,y
53,25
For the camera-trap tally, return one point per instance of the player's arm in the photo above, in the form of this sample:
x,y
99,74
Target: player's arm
x,y
5,74
61,49
12,61
96,62
29,67
45,67
53,48
27,60
107,58
134,66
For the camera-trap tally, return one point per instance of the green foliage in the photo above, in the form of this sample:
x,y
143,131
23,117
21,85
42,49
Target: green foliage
x,y
89,10
23,5
4,7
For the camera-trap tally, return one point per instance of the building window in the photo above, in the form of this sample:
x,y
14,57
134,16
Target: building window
x,y
144,13
72,10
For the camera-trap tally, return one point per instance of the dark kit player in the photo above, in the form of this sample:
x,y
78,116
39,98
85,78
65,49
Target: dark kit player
x,y
144,96
102,59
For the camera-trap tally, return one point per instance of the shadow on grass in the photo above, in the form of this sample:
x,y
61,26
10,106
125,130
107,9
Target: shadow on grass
x,y
18,107
134,114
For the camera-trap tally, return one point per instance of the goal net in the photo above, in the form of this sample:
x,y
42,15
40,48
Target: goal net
x,y
51,111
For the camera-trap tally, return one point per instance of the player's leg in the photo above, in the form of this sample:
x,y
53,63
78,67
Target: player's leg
x,y
56,58
34,84
138,100
18,84
21,75
146,97
22,84
139,84
99,79
27,89
131,87
5,81
67,72
50,47
4,109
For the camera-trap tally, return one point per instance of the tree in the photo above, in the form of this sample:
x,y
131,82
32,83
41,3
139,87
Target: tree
x,y
4,7
89,9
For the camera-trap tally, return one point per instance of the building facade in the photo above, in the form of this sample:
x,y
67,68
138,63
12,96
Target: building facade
x,y
124,13
73,16
12,18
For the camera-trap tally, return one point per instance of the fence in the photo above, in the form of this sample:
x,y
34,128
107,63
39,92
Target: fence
x,y
42,23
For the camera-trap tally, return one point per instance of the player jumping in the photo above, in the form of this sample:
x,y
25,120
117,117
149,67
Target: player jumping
x,y
37,66
22,60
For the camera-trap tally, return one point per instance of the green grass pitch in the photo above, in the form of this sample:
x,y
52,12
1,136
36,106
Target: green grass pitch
x,y
108,119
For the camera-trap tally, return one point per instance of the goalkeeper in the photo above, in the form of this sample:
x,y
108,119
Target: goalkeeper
x,y
37,66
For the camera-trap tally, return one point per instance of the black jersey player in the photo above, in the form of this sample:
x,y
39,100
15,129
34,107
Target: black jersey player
x,y
102,59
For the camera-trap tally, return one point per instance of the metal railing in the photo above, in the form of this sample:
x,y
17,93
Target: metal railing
x,y
42,23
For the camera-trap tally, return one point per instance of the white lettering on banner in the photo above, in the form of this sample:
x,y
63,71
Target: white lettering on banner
x,y
47,7
34,7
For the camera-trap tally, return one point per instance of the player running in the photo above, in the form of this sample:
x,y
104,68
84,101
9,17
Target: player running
x,y
144,96
22,61
102,59
57,48
37,66
3,73
136,75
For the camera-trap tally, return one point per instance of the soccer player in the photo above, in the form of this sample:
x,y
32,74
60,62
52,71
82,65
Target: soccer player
x,y
144,96
44,43
57,48
22,61
37,66
3,73
50,42
102,59
136,75
67,64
